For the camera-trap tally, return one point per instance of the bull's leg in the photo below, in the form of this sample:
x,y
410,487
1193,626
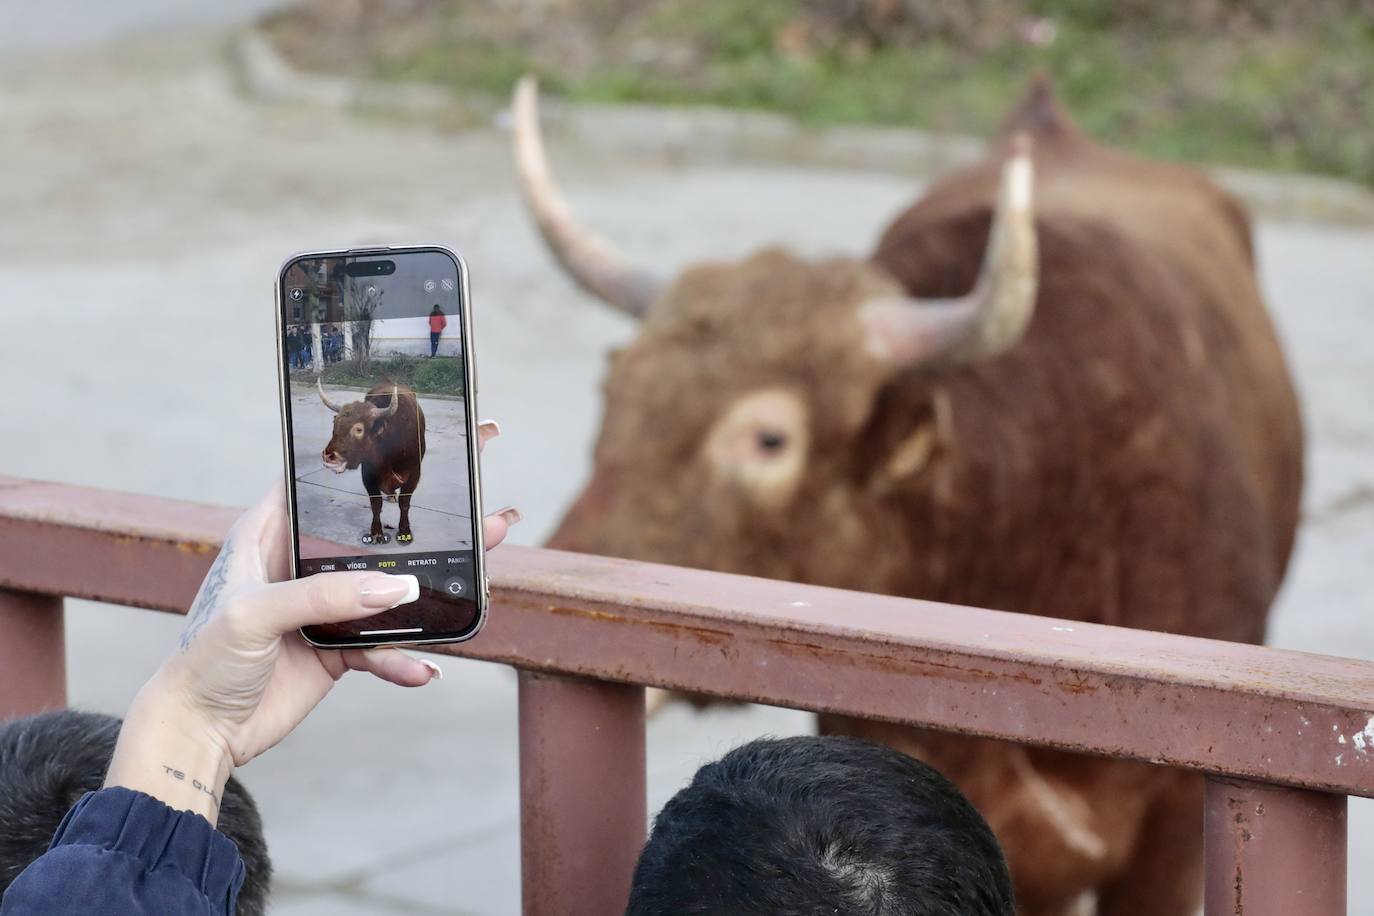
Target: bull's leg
x,y
376,532
1164,876
374,496
403,534
406,490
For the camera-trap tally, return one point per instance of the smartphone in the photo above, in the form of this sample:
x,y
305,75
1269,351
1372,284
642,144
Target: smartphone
x,y
379,434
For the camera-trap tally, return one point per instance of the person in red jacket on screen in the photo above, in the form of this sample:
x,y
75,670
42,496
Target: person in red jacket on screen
x,y
437,323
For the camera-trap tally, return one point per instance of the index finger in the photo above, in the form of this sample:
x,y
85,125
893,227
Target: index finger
x,y
280,607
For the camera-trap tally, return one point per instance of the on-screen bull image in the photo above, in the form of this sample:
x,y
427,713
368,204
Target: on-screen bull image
x,y
379,468
382,435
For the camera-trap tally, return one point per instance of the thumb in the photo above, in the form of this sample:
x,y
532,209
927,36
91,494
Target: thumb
x,y
273,534
258,541
282,607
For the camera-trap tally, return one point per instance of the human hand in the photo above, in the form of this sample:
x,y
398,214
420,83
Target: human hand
x,y
243,676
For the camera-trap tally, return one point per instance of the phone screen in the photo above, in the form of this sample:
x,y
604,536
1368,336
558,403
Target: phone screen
x,y
378,420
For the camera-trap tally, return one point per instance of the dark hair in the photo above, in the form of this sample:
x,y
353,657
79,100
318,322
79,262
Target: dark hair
x,y
48,761
810,826
437,309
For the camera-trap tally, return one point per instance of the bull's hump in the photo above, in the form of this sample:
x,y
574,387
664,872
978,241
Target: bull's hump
x,y
1040,114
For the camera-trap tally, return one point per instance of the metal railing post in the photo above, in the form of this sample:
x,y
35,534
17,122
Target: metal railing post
x,y
33,657
1273,850
583,808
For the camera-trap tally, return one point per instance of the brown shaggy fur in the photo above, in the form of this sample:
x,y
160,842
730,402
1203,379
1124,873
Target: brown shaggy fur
x,y
1135,460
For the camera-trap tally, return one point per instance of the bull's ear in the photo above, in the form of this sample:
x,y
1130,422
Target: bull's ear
x,y
911,455
902,440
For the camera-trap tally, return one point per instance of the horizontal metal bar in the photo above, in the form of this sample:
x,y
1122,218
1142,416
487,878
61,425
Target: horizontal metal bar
x,y
124,548
1244,711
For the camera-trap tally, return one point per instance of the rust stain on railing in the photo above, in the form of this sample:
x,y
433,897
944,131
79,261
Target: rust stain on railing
x,y
198,546
895,665
703,634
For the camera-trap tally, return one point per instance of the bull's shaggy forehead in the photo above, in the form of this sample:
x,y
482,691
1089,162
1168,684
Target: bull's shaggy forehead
x,y
353,412
772,293
769,315
725,329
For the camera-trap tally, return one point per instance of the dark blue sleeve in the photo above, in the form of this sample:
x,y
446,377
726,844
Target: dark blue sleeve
x,y
123,853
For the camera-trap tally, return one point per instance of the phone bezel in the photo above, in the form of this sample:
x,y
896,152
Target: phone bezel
x,y
482,596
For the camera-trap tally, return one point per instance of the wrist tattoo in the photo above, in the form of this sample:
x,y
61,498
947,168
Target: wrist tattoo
x,y
208,596
180,776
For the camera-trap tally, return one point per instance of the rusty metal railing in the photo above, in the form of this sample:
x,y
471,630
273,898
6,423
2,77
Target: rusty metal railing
x,y
1283,736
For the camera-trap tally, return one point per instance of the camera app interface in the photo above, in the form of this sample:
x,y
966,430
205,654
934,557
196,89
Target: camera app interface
x,y
378,414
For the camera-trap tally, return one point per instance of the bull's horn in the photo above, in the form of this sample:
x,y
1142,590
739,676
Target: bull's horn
x,y
395,402
327,403
591,260
995,315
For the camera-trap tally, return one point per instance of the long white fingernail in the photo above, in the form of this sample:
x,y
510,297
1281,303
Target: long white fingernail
x,y
412,590
438,672
387,591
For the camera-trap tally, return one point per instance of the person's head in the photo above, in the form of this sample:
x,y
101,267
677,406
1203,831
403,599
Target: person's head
x,y
48,761
437,310
810,826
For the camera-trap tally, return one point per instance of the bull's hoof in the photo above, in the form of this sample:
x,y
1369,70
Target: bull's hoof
x,y
404,537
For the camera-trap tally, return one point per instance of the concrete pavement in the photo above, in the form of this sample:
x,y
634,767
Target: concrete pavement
x,y
147,207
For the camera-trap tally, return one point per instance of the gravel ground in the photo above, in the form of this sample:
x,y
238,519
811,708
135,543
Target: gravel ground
x,y
147,207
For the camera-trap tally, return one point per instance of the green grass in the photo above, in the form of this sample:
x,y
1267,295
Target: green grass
x,y
1300,99
426,376
1274,104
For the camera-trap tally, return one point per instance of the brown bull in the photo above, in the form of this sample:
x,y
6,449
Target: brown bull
x,y
1073,406
384,436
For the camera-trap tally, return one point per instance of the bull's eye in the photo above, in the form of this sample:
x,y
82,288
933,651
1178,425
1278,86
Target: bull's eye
x,y
771,441
759,444
357,431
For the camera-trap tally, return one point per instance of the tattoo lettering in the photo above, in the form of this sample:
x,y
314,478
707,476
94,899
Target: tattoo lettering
x,y
208,596
179,776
